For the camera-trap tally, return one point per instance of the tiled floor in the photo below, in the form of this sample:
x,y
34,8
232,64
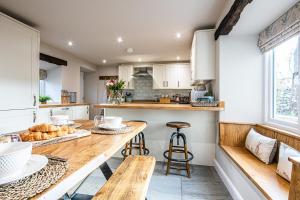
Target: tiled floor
x,y
203,184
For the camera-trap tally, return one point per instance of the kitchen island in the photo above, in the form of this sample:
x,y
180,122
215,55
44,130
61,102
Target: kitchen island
x,y
201,136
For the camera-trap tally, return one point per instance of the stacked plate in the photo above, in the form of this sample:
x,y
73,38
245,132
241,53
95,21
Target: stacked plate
x,y
17,162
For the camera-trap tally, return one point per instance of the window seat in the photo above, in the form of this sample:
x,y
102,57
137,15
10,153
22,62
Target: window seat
x,y
232,137
263,176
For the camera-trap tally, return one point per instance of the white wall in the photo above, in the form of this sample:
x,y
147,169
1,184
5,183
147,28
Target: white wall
x,y
240,84
53,84
240,78
70,73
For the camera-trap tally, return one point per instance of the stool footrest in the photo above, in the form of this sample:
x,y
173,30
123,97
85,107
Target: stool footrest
x,y
190,157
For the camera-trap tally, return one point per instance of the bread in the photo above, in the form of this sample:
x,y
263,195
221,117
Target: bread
x,y
45,132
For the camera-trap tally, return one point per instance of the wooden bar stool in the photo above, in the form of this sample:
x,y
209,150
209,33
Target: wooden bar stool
x,y
136,143
180,149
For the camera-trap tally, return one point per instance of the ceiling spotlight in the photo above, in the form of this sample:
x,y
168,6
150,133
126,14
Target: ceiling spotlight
x,y
104,61
178,35
178,58
70,43
129,50
120,39
140,60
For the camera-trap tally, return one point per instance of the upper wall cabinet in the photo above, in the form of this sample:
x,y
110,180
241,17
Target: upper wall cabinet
x,y
125,74
19,56
203,55
171,76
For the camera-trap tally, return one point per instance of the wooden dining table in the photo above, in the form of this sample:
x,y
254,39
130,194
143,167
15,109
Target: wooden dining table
x,y
84,155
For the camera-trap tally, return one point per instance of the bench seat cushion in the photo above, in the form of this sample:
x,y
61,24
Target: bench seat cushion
x,y
263,176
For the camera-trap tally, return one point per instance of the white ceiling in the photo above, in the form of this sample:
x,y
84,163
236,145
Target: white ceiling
x,y
259,14
147,26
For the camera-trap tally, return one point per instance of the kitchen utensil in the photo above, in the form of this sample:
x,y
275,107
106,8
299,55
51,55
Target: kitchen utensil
x,y
113,121
13,157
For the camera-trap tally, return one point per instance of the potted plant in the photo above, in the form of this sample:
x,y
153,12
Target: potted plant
x,y
44,99
115,89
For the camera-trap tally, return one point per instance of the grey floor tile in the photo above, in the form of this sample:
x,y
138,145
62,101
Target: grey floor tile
x,y
91,185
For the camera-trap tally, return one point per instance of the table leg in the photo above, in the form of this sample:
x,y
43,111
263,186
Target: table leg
x,y
106,170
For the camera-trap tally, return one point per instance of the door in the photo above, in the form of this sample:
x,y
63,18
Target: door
x,y
184,76
81,112
16,120
159,72
171,76
18,65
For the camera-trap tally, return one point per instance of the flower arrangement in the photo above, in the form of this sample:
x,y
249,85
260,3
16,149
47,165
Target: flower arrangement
x,y
115,88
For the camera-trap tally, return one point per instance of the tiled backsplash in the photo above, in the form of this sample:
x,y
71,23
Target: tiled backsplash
x,y
143,90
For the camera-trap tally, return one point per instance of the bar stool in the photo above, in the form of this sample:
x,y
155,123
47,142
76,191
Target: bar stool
x,y
137,143
180,149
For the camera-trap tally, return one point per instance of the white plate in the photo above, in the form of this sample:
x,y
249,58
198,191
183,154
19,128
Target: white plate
x,y
35,164
109,127
69,123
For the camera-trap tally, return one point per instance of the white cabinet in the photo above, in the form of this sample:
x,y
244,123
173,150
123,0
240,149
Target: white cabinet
x,y
81,112
125,74
74,113
172,76
19,56
203,55
16,120
63,111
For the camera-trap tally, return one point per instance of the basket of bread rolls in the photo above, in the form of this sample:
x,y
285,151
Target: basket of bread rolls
x,y
45,132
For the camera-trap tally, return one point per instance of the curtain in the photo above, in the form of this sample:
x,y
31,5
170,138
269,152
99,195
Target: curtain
x,y
43,74
285,27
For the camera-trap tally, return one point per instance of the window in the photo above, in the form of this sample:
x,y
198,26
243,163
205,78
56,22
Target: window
x,y
283,84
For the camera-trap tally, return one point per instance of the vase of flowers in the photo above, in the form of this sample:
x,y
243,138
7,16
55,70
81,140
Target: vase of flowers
x,y
115,90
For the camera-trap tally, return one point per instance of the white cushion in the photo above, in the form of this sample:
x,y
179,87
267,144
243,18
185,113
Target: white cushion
x,y
264,148
284,167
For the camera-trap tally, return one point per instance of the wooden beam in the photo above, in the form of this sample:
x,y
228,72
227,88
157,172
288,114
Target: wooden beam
x,y
53,60
231,18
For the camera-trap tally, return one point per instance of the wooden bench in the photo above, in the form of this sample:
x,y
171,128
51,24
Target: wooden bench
x,y
130,181
232,137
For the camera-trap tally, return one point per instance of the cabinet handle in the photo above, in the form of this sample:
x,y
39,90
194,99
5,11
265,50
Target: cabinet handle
x,y
167,83
65,108
87,110
51,112
178,84
34,116
34,100
128,84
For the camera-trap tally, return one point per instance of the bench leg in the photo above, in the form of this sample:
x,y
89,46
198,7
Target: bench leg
x,y
106,170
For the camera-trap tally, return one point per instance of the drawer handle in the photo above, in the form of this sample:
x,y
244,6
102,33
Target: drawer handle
x,y
34,100
65,108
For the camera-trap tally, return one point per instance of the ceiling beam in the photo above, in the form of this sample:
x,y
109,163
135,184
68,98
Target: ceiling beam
x,y
231,18
53,60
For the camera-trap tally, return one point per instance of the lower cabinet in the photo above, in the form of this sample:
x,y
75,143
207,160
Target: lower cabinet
x,y
74,113
17,120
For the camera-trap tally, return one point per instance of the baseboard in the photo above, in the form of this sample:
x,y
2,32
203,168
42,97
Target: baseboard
x,y
229,185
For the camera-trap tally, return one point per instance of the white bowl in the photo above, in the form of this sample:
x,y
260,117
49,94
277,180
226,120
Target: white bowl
x,y
13,157
59,119
113,121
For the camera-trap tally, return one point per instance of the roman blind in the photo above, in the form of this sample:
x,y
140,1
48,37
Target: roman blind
x,y
281,30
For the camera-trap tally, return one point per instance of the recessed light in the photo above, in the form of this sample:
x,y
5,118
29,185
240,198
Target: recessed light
x,y
178,58
129,50
178,35
120,39
70,43
104,61
140,60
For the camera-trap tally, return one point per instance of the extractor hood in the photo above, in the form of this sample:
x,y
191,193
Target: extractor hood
x,y
142,72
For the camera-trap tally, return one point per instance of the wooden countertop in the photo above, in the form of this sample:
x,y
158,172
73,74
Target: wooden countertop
x,y
158,106
84,155
53,105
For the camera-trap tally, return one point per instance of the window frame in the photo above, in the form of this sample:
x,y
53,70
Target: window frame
x,y
269,95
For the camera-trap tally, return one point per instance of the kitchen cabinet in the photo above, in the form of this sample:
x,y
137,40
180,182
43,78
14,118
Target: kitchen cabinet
x,y
74,113
172,76
125,74
203,55
81,112
16,120
19,57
